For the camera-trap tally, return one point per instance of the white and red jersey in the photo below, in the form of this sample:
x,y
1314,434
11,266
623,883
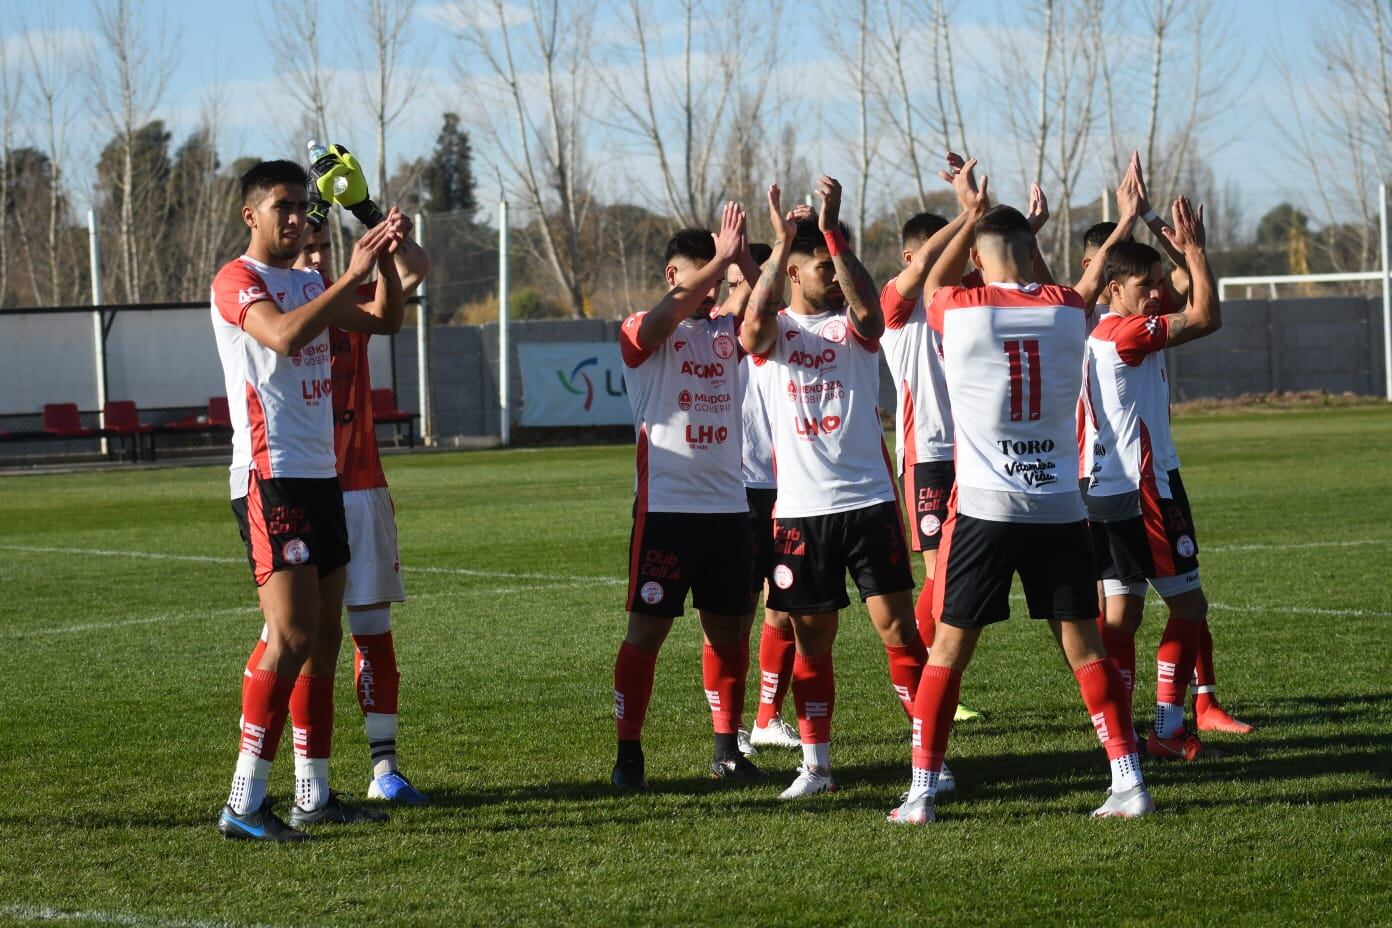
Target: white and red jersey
x,y
1014,359
685,394
923,421
757,456
820,382
281,407
1126,436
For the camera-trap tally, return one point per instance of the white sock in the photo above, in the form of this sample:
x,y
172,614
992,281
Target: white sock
x,y
817,757
249,784
924,783
1169,720
311,782
1126,773
381,739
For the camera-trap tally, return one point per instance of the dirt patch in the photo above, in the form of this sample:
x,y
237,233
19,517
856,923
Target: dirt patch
x,y
1276,402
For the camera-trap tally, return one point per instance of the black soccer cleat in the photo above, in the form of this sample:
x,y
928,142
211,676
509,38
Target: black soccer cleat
x,y
736,768
629,769
261,825
336,812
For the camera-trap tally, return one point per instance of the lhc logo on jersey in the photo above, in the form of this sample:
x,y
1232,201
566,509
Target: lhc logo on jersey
x,y
1185,546
570,385
684,400
724,346
782,576
312,290
295,551
652,593
834,331
930,525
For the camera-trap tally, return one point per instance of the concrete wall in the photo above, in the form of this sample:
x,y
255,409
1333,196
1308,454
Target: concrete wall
x,y
1332,344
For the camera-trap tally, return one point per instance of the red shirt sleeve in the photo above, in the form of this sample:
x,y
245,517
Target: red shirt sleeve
x,y
633,353
1138,336
235,289
896,307
942,300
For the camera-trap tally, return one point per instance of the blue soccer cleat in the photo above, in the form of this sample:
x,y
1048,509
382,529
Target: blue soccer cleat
x,y
393,787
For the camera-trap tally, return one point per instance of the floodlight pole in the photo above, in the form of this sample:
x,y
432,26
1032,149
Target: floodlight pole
x,y
504,404
427,409
98,323
1386,294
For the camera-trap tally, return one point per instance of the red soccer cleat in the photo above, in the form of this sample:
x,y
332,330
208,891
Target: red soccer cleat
x,y
1183,746
1209,716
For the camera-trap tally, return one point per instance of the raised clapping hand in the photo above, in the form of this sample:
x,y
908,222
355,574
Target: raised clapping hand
x,y
1188,232
1038,209
829,190
368,249
729,241
971,196
1130,192
784,227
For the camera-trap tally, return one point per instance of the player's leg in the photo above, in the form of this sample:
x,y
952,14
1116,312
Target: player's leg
x,y
814,696
1174,661
724,672
1209,714
877,558
1121,591
777,650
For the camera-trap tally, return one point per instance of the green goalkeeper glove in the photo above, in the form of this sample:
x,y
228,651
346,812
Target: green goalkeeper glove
x,y
354,197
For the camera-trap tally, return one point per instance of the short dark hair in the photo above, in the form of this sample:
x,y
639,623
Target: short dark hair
x,y
760,252
809,237
1128,259
1096,236
265,176
695,245
1003,222
920,227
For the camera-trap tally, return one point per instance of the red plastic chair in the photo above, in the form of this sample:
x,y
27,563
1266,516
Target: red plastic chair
x,y
62,419
384,412
219,414
122,419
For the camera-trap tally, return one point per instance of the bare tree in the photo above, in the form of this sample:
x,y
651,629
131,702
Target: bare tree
x,y
11,90
386,84
127,81
51,85
863,71
542,72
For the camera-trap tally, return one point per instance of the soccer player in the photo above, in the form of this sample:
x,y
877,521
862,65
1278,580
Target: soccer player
x,y
1012,350
1141,520
818,362
690,515
776,647
270,321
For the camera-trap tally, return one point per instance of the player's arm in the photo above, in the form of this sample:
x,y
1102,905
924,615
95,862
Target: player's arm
x,y
973,201
1038,216
684,300
287,333
760,326
411,260
912,280
384,312
862,296
1129,199
1202,315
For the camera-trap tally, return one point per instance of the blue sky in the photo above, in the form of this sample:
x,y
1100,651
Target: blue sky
x,y
215,47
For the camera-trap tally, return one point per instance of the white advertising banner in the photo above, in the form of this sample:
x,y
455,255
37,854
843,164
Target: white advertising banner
x,y
573,383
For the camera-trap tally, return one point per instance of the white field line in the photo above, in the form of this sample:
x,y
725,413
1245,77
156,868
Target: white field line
x,y
1294,546
49,914
206,559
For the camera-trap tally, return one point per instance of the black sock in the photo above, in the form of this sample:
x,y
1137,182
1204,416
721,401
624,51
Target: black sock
x,y
726,746
630,752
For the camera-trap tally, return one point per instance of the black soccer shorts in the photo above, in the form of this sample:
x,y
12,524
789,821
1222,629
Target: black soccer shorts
x,y
927,488
290,521
710,555
761,503
812,554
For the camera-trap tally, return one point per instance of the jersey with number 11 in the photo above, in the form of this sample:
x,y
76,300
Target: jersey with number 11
x,y
1014,360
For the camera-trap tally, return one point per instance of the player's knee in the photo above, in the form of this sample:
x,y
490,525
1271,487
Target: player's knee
x,y
293,645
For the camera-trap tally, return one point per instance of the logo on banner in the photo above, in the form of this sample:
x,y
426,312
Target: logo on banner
x,y
570,383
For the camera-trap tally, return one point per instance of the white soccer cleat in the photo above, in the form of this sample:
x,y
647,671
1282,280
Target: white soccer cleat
x,y
947,782
778,734
809,783
1131,803
918,812
746,747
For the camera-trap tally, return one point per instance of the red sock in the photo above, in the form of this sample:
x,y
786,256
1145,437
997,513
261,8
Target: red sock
x,y
633,686
1104,694
923,613
723,671
934,703
1174,660
814,694
265,704
776,650
375,676
905,669
1203,663
311,715
1121,648
252,665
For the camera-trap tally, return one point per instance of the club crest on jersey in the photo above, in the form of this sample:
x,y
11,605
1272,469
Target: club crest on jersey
x,y
1185,546
782,576
313,289
652,593
834,331
684,400
930,525
724,346
295,551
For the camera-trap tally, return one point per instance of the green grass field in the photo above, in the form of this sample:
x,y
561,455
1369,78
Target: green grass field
x,y
128,611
